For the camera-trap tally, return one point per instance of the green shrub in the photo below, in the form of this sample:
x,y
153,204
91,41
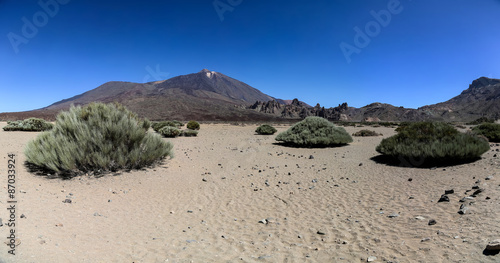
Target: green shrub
x,y
314,132
193,125
481,120
432,142
169,131
31,124
158,125
265,129
365,133
178,123
489,130
96,138
189,133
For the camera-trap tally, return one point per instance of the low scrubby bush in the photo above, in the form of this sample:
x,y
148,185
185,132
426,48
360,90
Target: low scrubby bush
x,y
365,133
265,130
488,130
169,131
193,125
189,133
158,125
96,138
432,142
314,132
481,120
31,124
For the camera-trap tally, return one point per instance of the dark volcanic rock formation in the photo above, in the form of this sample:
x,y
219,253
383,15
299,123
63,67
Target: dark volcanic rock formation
x,y
298,109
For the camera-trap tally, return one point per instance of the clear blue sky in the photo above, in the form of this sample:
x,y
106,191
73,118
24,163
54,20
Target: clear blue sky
x,y
427,52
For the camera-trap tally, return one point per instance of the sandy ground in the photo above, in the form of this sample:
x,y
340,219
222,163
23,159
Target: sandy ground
x,y
205,206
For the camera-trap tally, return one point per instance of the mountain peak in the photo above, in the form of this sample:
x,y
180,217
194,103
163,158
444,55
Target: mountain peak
x,y
208,73
484,81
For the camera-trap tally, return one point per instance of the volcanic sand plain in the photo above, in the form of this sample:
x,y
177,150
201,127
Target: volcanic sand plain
x,y
230,195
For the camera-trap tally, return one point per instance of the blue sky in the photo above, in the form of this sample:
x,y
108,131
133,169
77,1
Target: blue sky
x,y
406,53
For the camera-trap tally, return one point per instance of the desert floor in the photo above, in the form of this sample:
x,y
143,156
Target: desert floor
x,y
205,205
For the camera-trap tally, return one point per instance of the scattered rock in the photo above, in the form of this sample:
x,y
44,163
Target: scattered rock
x,y
425,239
204,179
321,232
23,216
493,245
478,191
410,179
488,178
393,215
263,221
68,201
311,157
1,224
432,222
420,218
361,164
447,192
371,259
467,198
444,198
463,209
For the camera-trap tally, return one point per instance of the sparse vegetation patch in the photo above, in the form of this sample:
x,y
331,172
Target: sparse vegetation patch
x,y
169,131
96,138
364,133
433,142
31,124
265,129
189,133
193,125
488,130
314,132
160,124
481,120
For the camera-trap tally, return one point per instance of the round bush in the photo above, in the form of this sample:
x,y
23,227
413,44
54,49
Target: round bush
x,y
193,125
433,142
189,133
31,124
265,129
314,132
364,133
169,131
489,130
96,138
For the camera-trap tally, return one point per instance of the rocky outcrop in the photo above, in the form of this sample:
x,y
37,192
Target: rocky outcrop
x,y
297,109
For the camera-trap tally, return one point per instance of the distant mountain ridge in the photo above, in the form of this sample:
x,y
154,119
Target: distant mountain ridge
x,y
212,96
481,99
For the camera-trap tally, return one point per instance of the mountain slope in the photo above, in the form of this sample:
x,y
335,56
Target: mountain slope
x,y
206,95
482,98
